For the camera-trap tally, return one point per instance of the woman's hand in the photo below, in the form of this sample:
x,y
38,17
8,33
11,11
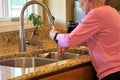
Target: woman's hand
x,y
61,51
52,33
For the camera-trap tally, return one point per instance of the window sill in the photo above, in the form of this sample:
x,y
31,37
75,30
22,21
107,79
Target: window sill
x,y
9,25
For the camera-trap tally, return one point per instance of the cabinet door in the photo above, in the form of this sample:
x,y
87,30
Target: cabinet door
x,y
82,73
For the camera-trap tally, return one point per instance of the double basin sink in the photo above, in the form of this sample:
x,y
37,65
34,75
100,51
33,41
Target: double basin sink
x,y
39,60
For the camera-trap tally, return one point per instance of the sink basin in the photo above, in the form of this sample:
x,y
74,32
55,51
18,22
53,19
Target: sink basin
x,y
55,55
41,59
26,62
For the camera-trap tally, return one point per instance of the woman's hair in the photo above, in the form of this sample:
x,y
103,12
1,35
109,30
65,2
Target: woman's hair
x,y
98,0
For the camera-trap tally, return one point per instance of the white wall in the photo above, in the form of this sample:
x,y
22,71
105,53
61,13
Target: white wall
x,y
58,10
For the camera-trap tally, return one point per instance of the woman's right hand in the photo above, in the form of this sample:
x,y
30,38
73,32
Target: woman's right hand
x,y
61,51
52,33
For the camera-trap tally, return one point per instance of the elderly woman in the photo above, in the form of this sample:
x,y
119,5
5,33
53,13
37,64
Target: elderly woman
x,y
100,30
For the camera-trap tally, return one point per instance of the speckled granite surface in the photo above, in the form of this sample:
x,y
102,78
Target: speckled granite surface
x,y
25,54
39,51
56,66
9,48
49,68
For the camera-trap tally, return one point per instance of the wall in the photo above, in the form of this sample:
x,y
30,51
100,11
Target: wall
x,y
58,10
62,10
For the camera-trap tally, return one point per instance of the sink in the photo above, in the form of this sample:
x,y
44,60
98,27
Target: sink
x,y
26,62
55,56
40,60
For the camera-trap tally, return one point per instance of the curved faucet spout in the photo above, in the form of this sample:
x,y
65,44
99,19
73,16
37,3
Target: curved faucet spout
x,y
22,32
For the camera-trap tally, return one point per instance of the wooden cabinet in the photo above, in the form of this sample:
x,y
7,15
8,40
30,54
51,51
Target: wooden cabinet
x,y
81,72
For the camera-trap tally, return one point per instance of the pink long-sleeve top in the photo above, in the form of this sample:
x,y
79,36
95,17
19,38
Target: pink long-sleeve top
x,y
100,29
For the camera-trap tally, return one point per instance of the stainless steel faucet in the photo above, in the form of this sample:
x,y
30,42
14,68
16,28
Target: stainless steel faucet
x,y
22,32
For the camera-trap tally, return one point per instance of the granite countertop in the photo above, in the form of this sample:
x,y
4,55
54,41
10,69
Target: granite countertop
x,y
53,67
79,50
9,49
49,68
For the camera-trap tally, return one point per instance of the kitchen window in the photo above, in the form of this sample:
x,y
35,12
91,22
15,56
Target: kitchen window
x,y
10,13
12,8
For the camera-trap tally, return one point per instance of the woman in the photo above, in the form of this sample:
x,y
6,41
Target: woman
x,y
100,30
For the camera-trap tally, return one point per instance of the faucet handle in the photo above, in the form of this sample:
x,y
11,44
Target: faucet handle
x,y
53,22
53,17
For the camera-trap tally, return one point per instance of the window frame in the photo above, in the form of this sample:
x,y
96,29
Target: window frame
x,y
6,9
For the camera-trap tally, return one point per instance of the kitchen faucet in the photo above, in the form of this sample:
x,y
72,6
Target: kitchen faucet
x,y
22,32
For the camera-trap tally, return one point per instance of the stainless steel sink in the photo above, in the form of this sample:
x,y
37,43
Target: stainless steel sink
x,y
41,59
55,55
26,62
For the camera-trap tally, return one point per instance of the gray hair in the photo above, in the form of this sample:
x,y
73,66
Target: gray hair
x,y
99,1
103,0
